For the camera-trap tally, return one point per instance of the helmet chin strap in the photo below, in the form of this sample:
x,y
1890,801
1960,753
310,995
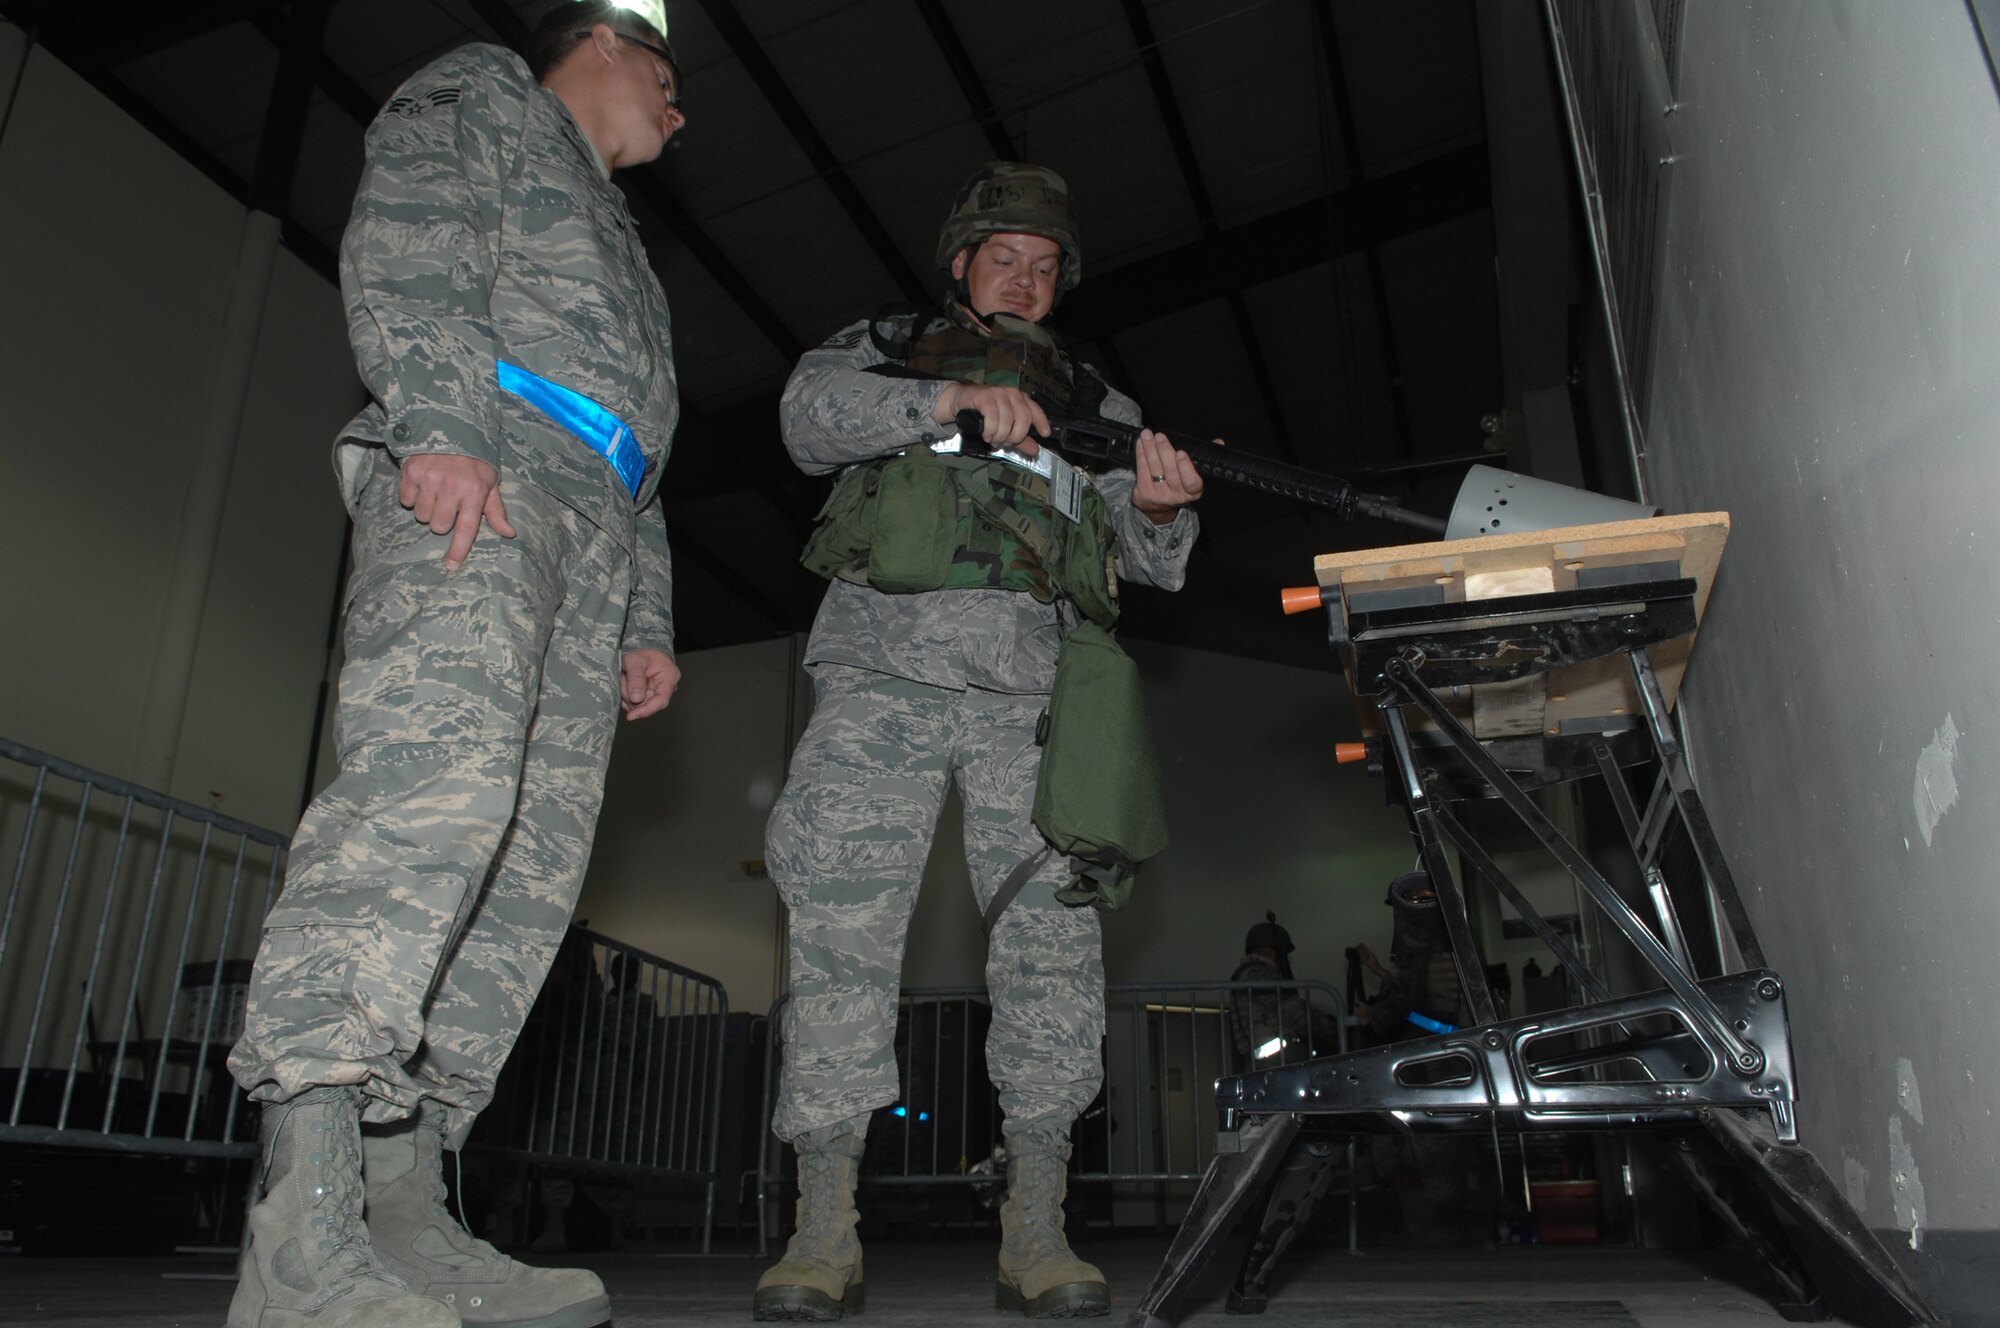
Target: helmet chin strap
x,y
961,285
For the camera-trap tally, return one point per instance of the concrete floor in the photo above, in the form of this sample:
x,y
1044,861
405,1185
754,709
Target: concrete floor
x,y
949,1282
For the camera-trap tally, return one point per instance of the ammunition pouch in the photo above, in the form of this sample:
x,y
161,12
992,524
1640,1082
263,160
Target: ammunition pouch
x,y
916,525
846,522
919,522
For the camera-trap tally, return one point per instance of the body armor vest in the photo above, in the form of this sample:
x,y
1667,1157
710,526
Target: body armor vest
x,y
1008,352
921,521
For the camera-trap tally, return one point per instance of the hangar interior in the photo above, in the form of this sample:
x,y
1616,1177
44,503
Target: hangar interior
x,y
1719,257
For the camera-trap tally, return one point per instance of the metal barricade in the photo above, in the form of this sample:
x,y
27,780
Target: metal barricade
x,y
126,938
1145,1141
618,1068
129,917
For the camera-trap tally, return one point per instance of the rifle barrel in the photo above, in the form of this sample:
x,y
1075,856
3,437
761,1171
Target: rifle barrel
x,y
1328,492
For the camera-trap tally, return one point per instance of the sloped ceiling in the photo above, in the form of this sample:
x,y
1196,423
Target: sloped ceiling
x,y
1290,234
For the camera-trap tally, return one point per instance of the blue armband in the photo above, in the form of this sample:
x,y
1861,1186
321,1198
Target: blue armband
x,y
589,423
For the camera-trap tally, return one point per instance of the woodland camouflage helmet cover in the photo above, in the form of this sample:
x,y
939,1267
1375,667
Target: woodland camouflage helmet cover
x,y
1012,197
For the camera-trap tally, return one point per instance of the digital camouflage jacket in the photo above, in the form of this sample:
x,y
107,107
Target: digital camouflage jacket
x,y
834,413
486,229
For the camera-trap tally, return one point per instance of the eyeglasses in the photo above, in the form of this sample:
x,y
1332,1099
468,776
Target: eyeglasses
x,y
673,67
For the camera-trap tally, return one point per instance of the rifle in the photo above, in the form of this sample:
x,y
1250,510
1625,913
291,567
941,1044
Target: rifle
x,y
1098,442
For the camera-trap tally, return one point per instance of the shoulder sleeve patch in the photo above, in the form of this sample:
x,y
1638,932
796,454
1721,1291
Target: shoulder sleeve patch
x,y
409,108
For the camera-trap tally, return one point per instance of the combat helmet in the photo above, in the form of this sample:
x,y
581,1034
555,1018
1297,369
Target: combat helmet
x,y
1268,934
1013,197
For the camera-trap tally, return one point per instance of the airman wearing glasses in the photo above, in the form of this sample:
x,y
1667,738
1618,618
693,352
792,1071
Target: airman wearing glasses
x,y
510,596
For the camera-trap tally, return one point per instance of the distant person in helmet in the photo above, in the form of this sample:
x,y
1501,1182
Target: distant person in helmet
x,y
1275,1024
931,668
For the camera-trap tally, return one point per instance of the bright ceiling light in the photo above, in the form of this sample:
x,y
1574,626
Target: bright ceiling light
x,y
653,11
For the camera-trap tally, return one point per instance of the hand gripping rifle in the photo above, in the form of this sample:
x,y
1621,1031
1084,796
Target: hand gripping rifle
x,y
1096,443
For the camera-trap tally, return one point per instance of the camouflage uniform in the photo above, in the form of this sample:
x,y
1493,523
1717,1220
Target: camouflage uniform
x,y
912,691
431,882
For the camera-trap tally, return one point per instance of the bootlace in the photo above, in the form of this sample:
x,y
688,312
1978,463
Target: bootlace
x,y
337,1199
1035,1187
826,1198
438,1194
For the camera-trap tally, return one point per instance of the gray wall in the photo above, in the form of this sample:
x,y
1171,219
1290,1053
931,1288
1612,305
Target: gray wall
x,y
108,366
1262,820
116,284
119,264
1828,370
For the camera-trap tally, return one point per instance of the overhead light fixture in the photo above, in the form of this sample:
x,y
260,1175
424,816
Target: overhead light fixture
x,y
653,11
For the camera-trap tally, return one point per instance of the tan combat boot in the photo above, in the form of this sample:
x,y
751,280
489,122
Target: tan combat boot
x,y
819,1279
309,1263
1039,1276
421,1242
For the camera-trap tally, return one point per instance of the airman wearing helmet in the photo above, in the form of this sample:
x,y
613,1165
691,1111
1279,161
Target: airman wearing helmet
x,y
1004,197
931,668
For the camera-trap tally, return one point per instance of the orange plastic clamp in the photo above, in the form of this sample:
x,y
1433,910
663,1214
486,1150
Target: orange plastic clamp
x,y
1299,599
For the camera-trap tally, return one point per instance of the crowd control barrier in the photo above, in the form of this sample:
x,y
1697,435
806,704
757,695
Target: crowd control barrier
x,y
126,936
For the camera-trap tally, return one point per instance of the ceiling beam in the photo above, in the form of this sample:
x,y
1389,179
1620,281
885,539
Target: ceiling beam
x,y
509,28
738,448
140,30
300,43
358,102
506,24
1378,287
959,61
744,45
653,192
1402,203
1141,24
296,237
728,450
723,572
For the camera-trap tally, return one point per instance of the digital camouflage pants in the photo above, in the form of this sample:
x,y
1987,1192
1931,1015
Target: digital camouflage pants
x,y
431,882
846,846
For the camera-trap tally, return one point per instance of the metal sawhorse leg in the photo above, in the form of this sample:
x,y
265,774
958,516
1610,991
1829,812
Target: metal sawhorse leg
x,y
1705,1057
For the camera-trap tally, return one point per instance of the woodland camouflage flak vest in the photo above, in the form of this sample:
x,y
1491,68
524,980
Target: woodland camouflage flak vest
x,y
920,521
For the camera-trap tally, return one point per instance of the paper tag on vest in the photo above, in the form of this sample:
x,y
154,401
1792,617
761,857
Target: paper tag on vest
x,y
1065,481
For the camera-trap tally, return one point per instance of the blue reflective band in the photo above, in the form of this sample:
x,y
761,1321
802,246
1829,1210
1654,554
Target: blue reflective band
x,y
592,425
1428,1024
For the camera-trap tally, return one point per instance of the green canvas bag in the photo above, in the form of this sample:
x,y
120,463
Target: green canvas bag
x,y
1098,799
